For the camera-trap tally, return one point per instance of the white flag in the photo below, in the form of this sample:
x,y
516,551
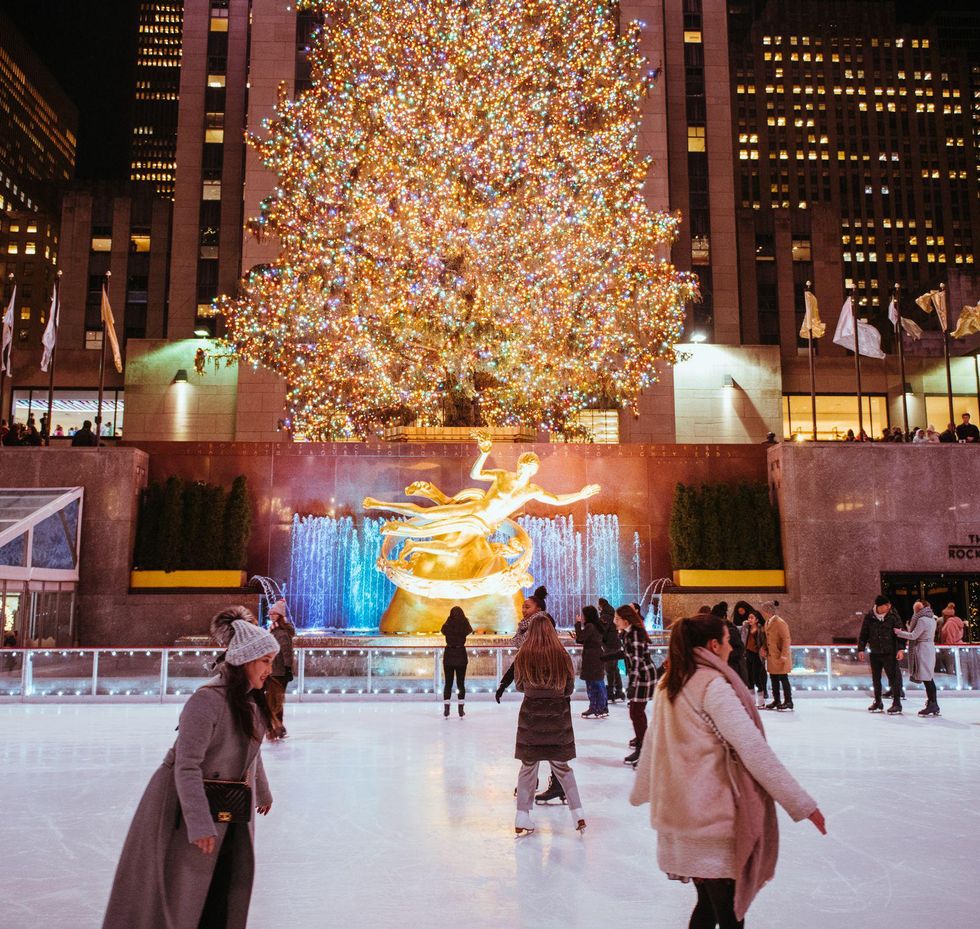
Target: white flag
x,y
869,338
110,330
914,330
813,326
893,316
51,330
8,334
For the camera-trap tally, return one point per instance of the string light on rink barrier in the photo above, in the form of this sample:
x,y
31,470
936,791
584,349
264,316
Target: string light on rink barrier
x,y
461,221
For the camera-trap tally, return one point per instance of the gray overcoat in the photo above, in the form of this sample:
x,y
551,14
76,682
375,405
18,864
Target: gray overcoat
x,y
162,880
922,645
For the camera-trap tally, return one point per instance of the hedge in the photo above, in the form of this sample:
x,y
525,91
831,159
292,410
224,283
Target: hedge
x,y
193,526
724,527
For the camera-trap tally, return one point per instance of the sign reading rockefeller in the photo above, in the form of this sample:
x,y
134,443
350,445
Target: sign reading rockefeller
x,y
970,551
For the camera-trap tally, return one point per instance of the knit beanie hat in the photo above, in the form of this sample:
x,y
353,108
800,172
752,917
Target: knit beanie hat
x,y
278,608
249,642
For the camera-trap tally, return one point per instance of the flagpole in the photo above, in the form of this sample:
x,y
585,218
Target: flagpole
x,y
3,367
857,367
98,416
900,336
54,353
949,373
813,382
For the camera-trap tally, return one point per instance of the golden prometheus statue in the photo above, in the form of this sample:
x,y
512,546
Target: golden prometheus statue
x,y
448,558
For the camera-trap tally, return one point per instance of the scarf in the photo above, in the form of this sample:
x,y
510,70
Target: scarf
x,y
756,830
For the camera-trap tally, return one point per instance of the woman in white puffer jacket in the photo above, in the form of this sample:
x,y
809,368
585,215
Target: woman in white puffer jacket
x,y
706,747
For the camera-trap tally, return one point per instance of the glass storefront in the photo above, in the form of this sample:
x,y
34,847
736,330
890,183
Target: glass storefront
x,y
836,413
71,408
937,410
962,590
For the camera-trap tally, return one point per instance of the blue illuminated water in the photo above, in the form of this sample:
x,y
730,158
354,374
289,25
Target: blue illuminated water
x,y
334,584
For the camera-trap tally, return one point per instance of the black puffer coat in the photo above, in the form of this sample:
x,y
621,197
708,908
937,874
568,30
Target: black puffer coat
x,y
590,637
544,725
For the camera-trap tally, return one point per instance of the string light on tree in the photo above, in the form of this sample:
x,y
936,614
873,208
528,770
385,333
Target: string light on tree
x,y
461,220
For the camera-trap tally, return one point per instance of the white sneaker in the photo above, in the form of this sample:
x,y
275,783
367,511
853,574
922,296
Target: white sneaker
x,y
578,818
523,824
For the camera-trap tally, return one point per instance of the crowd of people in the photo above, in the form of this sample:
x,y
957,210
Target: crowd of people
x,y
966,433
32,434
702,761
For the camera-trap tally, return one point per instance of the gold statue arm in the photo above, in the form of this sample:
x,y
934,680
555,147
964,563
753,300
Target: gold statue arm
x,y
476,472
543,496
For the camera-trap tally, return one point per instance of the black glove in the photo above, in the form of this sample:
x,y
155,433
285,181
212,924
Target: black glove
x,y
500,693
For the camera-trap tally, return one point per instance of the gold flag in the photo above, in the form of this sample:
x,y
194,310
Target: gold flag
x,y
935,300
968,323
110,330
812,326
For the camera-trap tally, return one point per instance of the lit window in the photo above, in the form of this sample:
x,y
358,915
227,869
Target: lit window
x,y
32,228
30,248
139,243
219,23
101,244
692,36
211,190
214,135
93,339
25,312
695,138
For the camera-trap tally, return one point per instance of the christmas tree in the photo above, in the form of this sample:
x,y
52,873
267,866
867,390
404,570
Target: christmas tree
x,y
461,221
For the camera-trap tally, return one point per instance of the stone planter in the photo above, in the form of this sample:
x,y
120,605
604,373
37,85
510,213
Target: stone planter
x,y
449,434
204,580
730,580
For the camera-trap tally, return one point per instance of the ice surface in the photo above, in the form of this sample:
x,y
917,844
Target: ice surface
x,y
389,817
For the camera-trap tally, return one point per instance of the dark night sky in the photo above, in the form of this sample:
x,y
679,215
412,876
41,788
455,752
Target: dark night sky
x,y
90,45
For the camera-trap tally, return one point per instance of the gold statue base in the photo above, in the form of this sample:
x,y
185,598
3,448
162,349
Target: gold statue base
x,y
489,614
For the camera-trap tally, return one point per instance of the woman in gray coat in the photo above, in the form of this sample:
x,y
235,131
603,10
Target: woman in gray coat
x,y
179,869
922,653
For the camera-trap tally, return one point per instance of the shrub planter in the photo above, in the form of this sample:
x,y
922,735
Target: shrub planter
x,y
206,580
730,580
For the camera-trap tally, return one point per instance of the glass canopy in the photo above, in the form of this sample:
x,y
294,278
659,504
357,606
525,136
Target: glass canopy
x,y
40,530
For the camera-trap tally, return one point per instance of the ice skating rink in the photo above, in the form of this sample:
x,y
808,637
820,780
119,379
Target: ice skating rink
x,y
387,816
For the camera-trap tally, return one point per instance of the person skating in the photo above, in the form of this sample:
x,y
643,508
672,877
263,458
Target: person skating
x,y
737,657
641,674
543,672
454,659
706,746
884,649
610,642
183,864
779,656
921,636
755,647
588,634
282,668
531,607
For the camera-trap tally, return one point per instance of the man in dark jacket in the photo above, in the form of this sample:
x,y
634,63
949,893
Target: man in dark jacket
x,y
878,637
85,437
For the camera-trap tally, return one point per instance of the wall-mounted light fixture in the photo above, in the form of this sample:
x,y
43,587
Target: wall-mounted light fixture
x,y
181,376
202,333
908,388
699,335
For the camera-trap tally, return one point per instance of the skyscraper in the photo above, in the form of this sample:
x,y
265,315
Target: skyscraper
x,y
154,140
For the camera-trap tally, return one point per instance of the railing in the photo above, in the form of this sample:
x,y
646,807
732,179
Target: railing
x,y
161,675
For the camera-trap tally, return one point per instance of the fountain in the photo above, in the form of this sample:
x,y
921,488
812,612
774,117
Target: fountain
x,y
334,582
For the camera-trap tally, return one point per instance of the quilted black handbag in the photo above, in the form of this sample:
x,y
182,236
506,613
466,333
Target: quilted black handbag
x,y
229,801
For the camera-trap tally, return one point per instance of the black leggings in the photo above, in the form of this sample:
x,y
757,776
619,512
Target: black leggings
x,y
716,905
459,672
215,912
931,695
757,673
638,716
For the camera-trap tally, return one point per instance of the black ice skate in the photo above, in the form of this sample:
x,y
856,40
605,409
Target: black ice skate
x,y
553,792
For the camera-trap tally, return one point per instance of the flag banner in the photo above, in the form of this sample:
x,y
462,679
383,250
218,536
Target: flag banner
x,y
868,337
50,331
110,330
8,333
912,329
935,300
813,327
968,323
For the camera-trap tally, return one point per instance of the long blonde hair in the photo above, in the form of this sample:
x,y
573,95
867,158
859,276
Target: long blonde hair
x,y
542,662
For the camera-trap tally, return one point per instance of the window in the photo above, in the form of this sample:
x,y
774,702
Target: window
x,y
214,135
101,243
695,139
25,312
93,339
211,190
603,426
139,243
30,248
12,248
835,415
216,80
801,250
692,35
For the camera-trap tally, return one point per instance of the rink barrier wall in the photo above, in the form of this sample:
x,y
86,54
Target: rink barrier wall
x,y
164,675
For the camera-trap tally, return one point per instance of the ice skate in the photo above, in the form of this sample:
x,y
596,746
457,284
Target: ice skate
x,y
877,707
633,758
445,710
895,709
590,714
578,817
554,791
523,824
462,709
930,709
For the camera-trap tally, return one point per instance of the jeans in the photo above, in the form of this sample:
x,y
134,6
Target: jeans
x,y
638,716
527,782
757,673
716,904
781,680
459,673
887,664
598,701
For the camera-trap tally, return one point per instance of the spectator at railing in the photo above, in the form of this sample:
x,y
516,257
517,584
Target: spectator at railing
x,y
967,431
919,437
948,435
